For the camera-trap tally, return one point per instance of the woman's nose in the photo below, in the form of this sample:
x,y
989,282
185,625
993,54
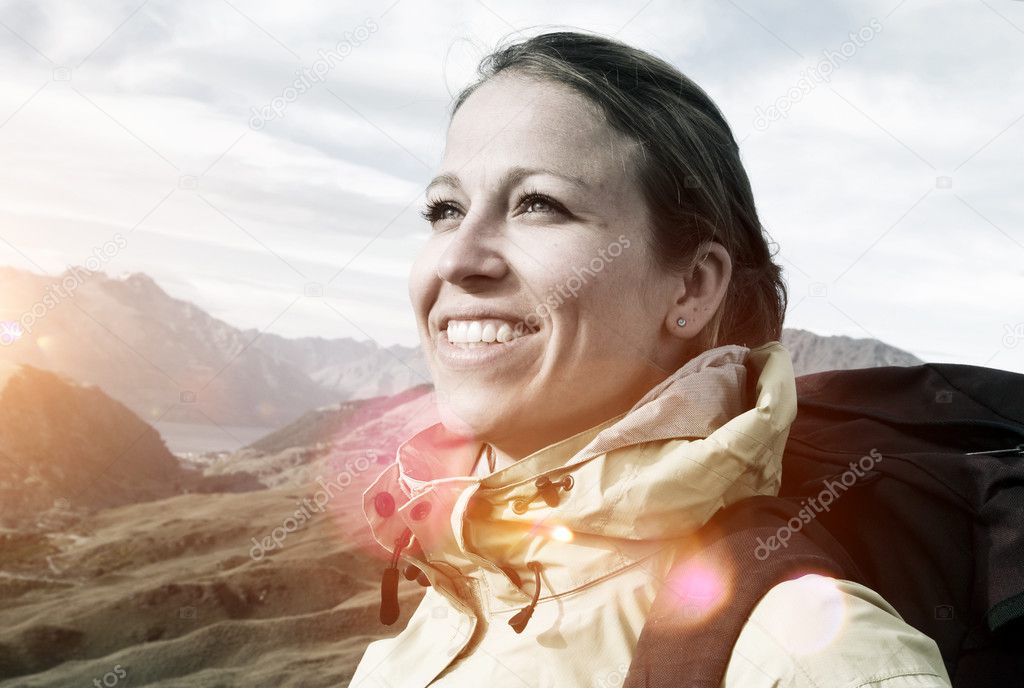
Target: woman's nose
x,y
471,256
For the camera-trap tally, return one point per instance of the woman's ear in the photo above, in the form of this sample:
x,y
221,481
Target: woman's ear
x,y
700,292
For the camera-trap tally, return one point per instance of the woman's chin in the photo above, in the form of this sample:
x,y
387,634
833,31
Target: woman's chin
x,y
471,413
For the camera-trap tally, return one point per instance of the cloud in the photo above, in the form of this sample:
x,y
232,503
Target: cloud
x,y
155,119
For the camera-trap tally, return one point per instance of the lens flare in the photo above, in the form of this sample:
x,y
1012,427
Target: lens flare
x,y
700,587
561,533
824,614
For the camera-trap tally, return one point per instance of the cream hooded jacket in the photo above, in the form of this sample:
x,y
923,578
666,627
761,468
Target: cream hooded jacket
x,y
626,495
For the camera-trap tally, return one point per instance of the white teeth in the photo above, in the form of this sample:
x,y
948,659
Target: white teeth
x,y
480,332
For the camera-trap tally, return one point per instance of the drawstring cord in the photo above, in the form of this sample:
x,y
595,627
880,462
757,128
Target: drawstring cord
x,y
389,610
389,581
519,621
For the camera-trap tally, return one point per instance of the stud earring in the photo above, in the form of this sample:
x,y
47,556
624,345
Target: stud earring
x,y
681,322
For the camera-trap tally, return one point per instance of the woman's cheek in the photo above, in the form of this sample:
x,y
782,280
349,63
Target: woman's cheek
x,y
423,283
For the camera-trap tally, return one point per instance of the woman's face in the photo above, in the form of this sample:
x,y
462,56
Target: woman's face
x,y
540,229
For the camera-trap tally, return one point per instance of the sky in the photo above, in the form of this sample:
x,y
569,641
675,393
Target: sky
x,y
884,141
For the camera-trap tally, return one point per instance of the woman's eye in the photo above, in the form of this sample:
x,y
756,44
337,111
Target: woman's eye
x,y
536,203
532,204
440,210
447,212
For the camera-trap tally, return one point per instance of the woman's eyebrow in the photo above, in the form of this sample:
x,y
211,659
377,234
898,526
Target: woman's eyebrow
x,y
513,176
444,180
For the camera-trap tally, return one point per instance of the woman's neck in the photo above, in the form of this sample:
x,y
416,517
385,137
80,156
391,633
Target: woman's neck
x,y
546,431
497,458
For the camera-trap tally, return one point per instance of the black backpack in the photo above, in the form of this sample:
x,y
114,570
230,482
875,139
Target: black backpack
x,y
925,466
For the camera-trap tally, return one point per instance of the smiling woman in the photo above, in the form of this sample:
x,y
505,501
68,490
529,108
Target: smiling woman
x,y
535,188
601,314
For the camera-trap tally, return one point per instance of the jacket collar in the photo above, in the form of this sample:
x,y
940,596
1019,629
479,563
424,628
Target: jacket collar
x,y
711,433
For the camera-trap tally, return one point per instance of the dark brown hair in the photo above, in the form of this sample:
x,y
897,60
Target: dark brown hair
x,y
695,185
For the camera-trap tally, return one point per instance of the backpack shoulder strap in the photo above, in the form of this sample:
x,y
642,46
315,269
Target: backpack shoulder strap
x,y
709,594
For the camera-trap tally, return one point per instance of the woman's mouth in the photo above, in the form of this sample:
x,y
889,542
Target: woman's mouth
x,y
470,343
480,332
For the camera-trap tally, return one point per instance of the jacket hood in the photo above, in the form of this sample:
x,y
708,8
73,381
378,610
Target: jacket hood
x,y
711,433
600,548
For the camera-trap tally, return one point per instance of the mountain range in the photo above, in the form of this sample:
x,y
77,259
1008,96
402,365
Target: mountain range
x,y
119,558
169,360
150,576
65,444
